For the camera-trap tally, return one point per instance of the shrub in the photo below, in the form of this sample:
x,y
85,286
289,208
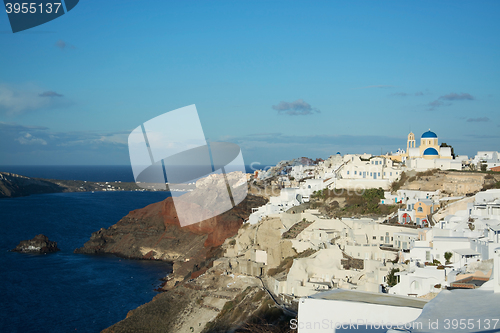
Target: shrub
x,y
397,184
392,279
491,186
447,256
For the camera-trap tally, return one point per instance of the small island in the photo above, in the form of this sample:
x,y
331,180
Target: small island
x,y
39,244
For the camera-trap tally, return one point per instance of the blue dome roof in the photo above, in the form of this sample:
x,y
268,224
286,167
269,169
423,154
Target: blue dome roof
x,y
429,134
431,151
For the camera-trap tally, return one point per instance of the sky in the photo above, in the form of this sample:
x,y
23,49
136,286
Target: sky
x,y
282,79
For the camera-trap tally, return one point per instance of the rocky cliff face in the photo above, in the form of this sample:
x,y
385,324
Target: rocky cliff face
x,y
154,232
12,185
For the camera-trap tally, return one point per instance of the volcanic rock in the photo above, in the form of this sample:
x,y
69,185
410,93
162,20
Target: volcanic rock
x,y
154,233
39,244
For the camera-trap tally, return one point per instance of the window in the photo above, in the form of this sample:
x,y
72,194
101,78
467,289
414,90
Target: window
x,y
384,173
392,239
370,174
390,174
348,172
376,162
379,174
381,238
427,255
374,237
420,209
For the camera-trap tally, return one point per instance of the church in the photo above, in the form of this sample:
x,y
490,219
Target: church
x,y
428,155
429,148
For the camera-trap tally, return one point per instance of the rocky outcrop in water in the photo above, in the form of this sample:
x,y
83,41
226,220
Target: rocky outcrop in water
x,y
39,244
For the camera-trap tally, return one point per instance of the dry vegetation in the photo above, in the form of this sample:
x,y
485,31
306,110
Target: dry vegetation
x,y
296,229
251,311
286,263
353,203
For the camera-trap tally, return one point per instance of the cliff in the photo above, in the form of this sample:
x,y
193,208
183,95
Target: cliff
x,y
154,232
12,185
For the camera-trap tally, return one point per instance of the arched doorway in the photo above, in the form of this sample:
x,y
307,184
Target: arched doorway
x,y
406,218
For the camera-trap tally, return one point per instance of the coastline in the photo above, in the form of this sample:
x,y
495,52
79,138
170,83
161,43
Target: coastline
x,y
14,185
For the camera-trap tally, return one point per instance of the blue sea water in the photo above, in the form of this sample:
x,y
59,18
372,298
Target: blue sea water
x,y
93,173
65,292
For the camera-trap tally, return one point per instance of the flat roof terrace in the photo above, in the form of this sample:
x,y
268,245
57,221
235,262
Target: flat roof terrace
x,y
371,298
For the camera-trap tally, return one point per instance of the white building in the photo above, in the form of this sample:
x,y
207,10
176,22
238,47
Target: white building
x,y
419,281
351,309
366,171
490,158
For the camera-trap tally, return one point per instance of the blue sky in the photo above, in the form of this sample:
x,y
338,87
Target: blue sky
x,y
282,79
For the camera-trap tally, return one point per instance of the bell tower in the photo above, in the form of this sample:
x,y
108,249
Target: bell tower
x,y
411,142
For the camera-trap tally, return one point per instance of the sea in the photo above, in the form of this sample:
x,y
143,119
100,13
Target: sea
x,y
63,291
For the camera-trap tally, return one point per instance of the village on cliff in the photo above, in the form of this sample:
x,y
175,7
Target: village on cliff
x,y
427,251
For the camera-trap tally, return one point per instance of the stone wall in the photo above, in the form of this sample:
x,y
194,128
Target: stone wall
x,y
349,262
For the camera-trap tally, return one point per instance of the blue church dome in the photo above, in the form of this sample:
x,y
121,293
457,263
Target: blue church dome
x,y
429,134
430,151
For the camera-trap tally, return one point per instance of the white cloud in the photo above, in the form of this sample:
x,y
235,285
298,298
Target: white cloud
x,y
28,139
14,100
